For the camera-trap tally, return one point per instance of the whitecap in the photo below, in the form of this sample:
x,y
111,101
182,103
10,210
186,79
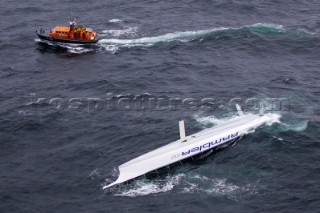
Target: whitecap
x,y
115,20
128,31
78,50
212,120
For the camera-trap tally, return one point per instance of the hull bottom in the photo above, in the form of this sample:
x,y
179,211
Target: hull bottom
x,y
201,156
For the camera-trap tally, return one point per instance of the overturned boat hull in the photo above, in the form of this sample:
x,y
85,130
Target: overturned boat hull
x,y
190,146
193,158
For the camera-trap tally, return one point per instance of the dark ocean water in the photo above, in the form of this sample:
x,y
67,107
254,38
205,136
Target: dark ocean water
x,y
61,141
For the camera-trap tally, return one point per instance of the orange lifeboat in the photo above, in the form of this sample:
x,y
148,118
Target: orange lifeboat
x,y
70,34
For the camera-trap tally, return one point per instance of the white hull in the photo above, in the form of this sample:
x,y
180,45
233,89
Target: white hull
x,y
194,144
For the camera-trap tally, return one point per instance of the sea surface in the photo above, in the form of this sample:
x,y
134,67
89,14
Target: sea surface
x,y
70,114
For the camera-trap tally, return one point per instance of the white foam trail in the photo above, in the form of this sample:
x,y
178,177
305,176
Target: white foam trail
x,y
163,38
77,50
187,35
109,48
274,118
186,184
212,120
141,188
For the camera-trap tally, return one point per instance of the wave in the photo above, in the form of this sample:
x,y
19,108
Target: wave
x,y
115,20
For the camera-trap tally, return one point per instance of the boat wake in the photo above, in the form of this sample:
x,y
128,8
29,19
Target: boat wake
x,y
184,36
191,35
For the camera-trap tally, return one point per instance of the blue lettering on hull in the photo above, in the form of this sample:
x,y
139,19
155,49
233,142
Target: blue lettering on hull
x,y
210,144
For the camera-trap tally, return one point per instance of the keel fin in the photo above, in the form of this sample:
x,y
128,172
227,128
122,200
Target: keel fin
x,y
240,112
182,131
261,110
